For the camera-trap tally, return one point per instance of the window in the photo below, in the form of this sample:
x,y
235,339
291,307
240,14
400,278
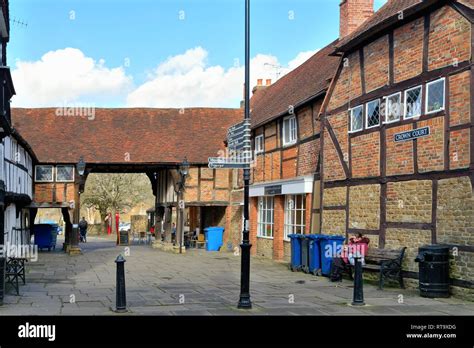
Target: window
x,y
44,173
393,105
294,215
265,217
356,118
65,173
289,130
435,96
413,102
259,144
373,114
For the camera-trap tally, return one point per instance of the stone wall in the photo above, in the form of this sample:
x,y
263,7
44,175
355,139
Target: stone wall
x,y
264,247
409,201
364,207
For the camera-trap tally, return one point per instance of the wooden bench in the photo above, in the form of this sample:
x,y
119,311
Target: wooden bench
x,y
388,262
15,268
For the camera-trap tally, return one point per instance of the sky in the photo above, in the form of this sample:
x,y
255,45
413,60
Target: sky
x,y
158,53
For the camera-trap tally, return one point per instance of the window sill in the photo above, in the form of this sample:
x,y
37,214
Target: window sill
x,y
263,237
290,144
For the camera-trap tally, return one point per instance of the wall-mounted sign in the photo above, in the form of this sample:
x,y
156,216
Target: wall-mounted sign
x,y
413,134
272,190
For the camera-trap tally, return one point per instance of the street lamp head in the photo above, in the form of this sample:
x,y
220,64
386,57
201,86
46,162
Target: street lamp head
x,y
184,169
81,166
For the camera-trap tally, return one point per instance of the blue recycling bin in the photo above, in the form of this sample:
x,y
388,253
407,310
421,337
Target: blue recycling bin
x,y
214,238
330,247
46,236
314,253
295,240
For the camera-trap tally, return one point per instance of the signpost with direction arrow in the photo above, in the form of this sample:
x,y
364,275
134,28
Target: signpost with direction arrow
x,y
239,146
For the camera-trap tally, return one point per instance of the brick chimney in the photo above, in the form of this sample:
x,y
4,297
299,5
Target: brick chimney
x,y
260,85
352,14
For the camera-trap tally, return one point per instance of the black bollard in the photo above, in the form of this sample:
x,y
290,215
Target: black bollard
x,y
121,300
358,299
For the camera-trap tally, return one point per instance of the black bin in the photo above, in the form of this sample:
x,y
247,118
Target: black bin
x,y
434,270
305,254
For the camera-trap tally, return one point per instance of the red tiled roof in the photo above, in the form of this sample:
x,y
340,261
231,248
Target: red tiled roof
x,y
308,80
148,135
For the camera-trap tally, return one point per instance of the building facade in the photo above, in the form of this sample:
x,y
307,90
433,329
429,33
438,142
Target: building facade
x,y
397,147
16,166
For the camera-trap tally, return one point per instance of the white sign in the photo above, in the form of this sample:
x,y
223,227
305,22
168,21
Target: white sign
x,y
181,204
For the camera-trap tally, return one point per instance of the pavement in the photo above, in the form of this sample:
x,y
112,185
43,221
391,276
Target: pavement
x,y
196,283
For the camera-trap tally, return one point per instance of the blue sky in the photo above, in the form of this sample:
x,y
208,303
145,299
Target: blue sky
x,y
127,41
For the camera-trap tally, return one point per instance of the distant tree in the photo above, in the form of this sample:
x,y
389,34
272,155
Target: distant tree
x,y
116,193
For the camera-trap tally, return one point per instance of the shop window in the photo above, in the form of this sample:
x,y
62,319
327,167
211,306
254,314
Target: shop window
x,y
289,130
43,173
65,173
294,215
265,217
356,118
393,106
413,102
435,96
373,114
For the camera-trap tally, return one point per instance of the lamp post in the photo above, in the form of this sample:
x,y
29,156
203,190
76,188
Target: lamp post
x,y
80,168
244,301
183,173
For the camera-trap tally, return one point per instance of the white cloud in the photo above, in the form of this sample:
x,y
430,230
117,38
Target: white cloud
x,y
186,80
65,76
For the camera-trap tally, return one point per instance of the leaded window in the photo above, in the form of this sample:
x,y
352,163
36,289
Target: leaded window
x,y
356,118
435,96
413,102
373,114
393,107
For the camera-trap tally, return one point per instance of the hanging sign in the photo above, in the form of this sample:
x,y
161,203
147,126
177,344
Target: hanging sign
x,y
411,135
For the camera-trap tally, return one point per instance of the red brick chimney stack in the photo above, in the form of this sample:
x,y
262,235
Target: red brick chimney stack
x,y
352,14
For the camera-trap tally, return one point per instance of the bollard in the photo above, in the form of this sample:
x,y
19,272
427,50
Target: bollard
x,y
358,298
121,300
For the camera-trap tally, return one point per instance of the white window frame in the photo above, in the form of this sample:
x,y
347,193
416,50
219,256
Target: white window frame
x,y
290,226
65,165
399,94
405,107
261,213
367,114
292,140
428,95
259,144
52,173
351,111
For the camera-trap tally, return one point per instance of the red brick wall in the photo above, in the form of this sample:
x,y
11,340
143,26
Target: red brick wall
x,y
278,227
376,64
289,162
44,192
366,155
431,148
459,93
309,199
448,27
459,155
333,169
408,50
348,85
400,154
253,224
308,157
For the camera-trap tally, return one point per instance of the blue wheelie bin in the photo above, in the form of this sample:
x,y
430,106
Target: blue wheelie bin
x,y
45,236
214,238
314,254
331,246
295,251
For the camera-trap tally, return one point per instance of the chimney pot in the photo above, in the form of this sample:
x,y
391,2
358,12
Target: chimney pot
x,y
259,82
269,82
